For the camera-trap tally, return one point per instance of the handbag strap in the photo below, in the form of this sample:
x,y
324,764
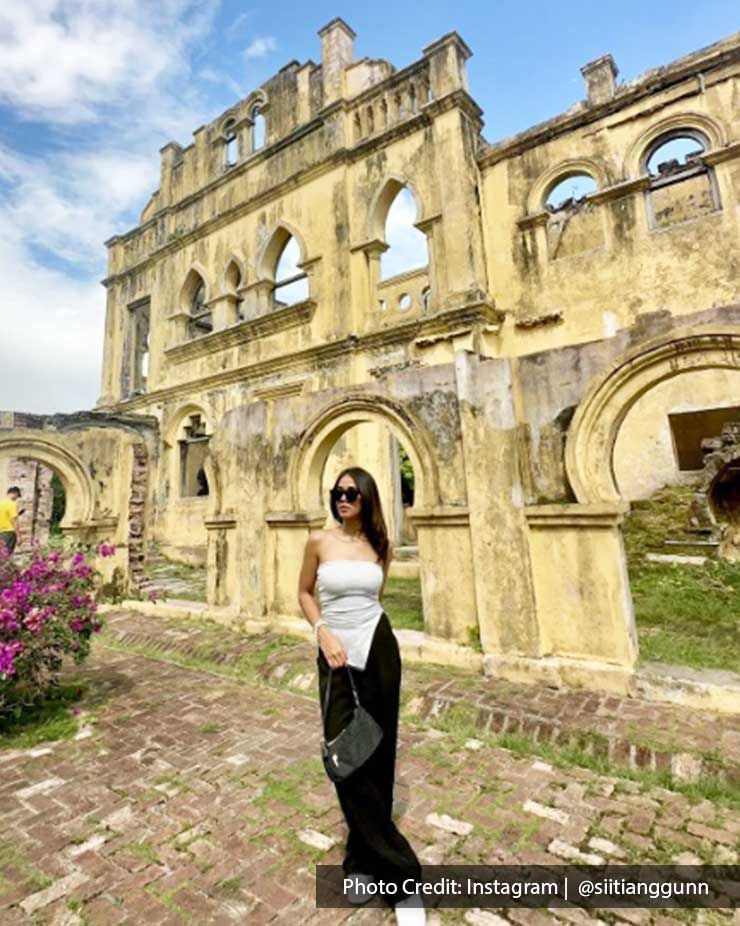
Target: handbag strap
x,y
328,686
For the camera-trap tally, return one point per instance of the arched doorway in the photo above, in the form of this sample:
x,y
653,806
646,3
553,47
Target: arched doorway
x,y
635,441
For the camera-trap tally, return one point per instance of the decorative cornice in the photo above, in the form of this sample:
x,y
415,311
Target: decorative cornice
x,y
272,323
615,191
474,312
534,321
574,515
279,392
220,522
375,246
533,220
296,519
719,155
444,516
619,190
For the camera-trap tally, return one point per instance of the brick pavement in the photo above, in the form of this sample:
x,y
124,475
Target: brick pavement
x,y
198,799
626,731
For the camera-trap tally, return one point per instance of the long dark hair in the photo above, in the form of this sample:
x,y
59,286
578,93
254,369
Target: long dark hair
x,y
371,511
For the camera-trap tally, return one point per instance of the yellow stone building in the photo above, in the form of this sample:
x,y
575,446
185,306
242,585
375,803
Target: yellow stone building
x,y
564,331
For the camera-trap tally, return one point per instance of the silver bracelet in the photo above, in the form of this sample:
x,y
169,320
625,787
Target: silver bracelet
x,y
316,626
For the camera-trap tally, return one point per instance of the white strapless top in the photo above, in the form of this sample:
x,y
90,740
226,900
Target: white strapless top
x,y
348,598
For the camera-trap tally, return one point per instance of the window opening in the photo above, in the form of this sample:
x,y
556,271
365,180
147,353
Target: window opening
x,y
407,246
569,191
201,317
258,129
291,283
193,450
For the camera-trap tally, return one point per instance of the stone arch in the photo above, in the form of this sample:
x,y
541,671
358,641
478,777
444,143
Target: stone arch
x,y
228,121
195,275
593,167
332,421
589,451
176,418
383,200
210,463
234,263
270,254
714,130
78,486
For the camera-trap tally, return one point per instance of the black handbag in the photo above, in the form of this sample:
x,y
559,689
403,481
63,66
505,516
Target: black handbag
x,y
354,745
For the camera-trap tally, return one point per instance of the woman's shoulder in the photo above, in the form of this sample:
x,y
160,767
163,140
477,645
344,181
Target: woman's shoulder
x,y
316,538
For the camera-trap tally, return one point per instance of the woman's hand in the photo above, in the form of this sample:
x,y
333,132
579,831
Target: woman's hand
x,y
331,647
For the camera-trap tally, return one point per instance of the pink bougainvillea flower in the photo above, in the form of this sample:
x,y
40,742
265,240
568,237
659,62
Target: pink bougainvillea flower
x,y
154,595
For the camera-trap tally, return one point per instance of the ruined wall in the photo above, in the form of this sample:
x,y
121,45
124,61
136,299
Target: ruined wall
x,y
476,363
34,481
638,244
102,462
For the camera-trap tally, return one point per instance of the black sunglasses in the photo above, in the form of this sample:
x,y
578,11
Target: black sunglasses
x,y
351,494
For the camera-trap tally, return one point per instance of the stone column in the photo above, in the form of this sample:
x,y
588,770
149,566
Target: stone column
x,y
222,586
445,557
287,535
581,585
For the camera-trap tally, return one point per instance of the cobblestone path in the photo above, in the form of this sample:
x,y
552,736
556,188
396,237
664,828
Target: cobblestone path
x,y
193,798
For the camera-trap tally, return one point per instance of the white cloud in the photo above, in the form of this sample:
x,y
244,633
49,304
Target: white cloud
x,y
71,204
62,60
52,332
121,68
260,47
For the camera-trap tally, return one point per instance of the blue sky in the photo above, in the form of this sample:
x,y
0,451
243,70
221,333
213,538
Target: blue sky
x,y
91,89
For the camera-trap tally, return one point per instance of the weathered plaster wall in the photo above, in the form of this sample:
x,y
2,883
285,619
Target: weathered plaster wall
x,y
644,452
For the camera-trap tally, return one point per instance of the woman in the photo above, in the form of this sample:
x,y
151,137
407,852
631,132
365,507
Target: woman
x,y
349,565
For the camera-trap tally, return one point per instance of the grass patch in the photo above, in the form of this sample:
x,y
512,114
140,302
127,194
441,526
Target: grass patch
x,y
230,887
583,751
143,850
11,857
210,727
49,720
167,899
685,615
402,603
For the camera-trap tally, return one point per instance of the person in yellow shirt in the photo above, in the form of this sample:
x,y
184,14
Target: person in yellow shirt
x,y
9,518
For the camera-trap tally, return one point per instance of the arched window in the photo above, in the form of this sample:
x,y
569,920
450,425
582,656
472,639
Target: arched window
x,y
233,280
193,443
673,153
258,127
682,186
569,190
407,246
291,283
201,318
231,153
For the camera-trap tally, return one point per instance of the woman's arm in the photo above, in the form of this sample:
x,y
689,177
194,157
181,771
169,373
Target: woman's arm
x,y
307,579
